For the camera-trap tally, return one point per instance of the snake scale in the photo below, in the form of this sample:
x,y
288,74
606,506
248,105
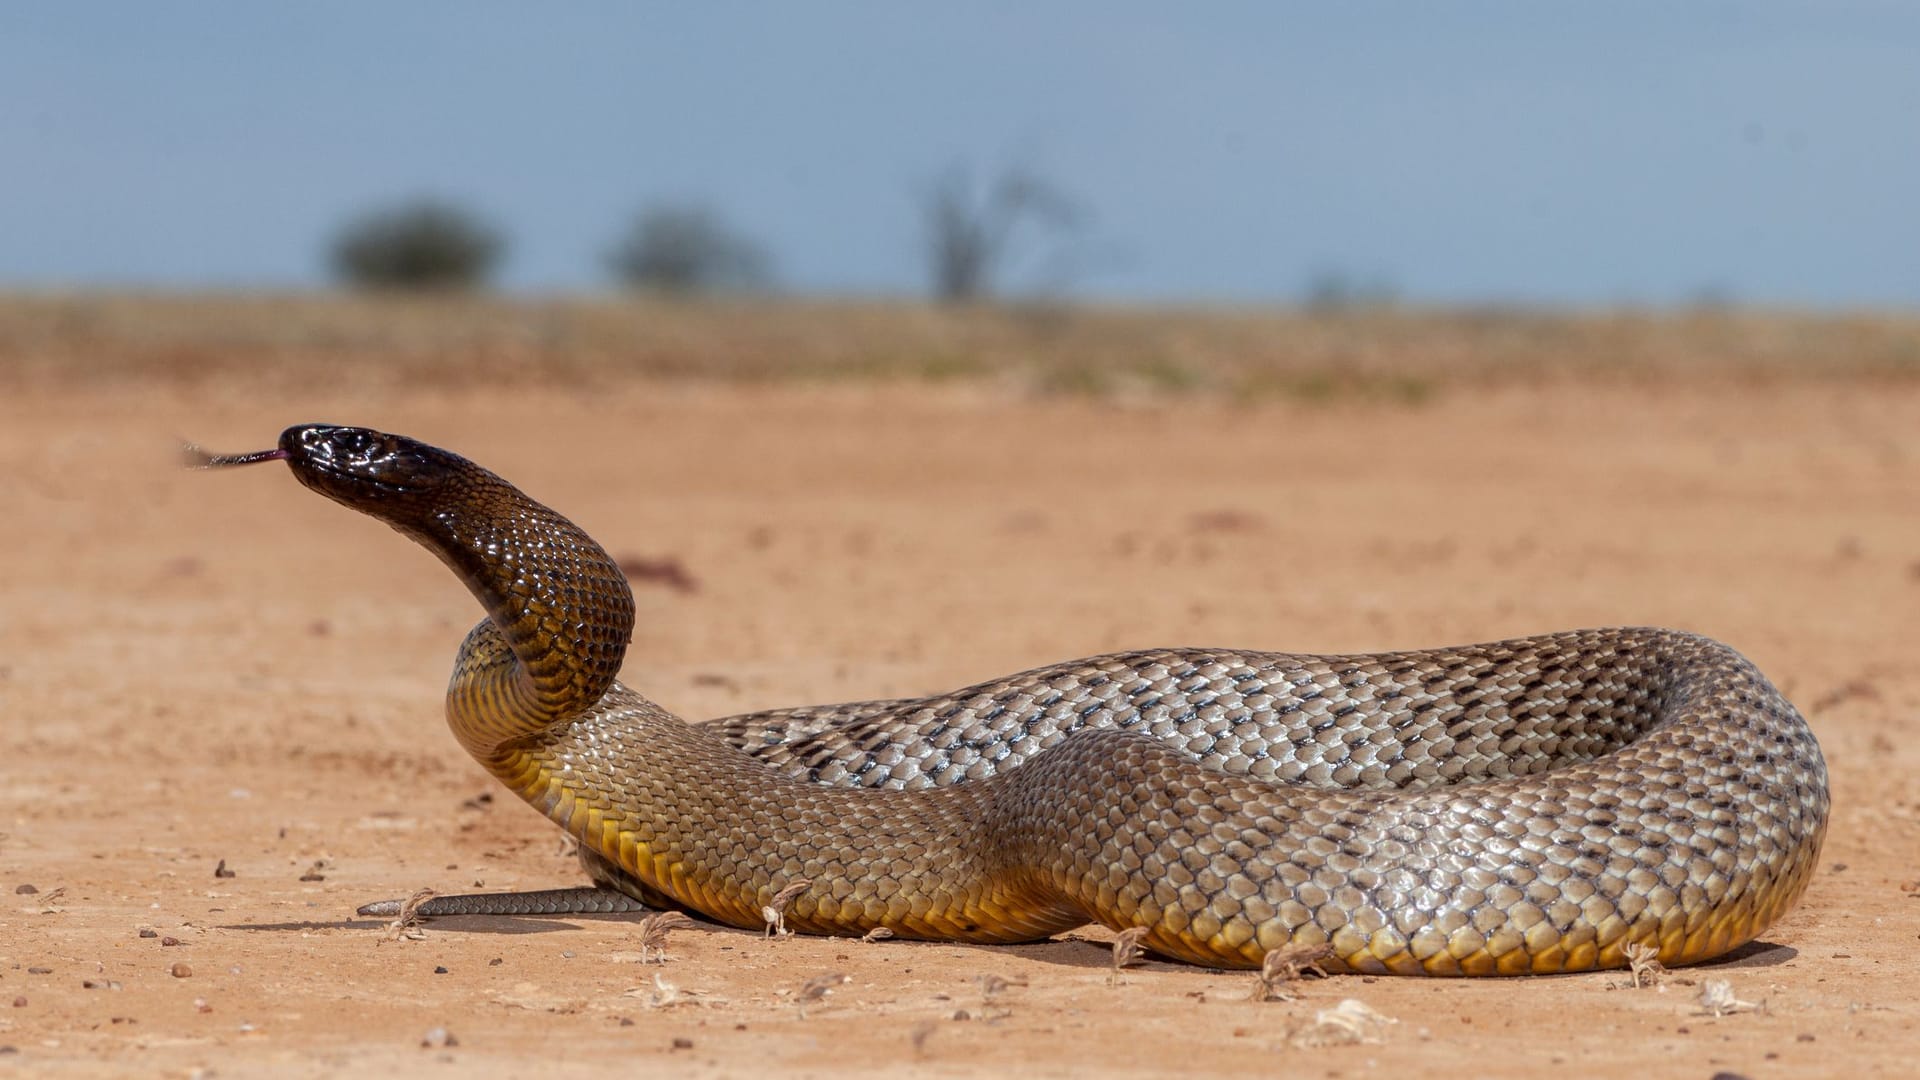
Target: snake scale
x,y
1533,805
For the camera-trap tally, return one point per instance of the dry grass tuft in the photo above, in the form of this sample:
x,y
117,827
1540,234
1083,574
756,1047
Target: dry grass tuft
x,y
1643,962
1127,951
653,934
776,910
1286,965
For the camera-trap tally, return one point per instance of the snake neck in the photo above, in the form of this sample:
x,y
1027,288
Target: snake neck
x,y
559,614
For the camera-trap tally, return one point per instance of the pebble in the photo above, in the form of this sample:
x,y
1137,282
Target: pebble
x,y
180,971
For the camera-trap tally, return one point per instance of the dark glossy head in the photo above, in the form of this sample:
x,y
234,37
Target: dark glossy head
x,y
363,467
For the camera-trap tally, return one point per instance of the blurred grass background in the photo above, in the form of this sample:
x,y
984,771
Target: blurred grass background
x,y
1386,353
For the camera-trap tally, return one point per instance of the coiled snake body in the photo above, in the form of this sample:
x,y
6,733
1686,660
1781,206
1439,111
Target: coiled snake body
x,y
1525,806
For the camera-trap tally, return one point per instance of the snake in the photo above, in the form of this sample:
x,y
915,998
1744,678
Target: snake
x,y
1565,802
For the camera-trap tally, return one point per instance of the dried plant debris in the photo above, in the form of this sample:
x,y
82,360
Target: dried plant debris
x,y
878,933
665,995
653,934
1127,950
1286,965
919,1035
776,910
1643,961
407,924
816,989
1346,1024
1717,999
991,987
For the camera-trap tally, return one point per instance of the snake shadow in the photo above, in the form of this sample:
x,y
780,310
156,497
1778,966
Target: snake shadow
x,y
478,924
1754,954
1067,951
1070,950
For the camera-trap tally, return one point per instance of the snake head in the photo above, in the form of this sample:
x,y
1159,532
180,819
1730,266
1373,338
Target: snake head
x,y
363,468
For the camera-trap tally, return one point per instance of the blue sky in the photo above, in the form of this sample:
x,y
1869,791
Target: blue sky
x,y
1470,152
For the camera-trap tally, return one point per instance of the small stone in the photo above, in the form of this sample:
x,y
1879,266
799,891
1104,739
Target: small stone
x,y
24,890
1805,1036
495,962
681,1042
221,871
439,970
169,941
39,971
148,931
438,1037
19,1003
180,971
201,1004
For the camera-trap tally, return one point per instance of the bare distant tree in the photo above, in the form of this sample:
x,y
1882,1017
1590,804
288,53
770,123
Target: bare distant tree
x,y
1331,289
686,248
969,230
422,244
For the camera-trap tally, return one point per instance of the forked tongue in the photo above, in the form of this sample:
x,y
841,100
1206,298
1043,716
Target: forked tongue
x,y
198,458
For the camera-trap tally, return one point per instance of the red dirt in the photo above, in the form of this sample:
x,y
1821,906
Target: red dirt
x,y
197,668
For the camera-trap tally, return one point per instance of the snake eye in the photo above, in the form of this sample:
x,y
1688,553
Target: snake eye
x,y
358,444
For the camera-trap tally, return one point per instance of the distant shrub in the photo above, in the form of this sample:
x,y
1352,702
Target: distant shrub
x,y
685,248
1331,291
425,244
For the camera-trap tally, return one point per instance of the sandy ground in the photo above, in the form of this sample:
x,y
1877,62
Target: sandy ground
x,y
197,669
